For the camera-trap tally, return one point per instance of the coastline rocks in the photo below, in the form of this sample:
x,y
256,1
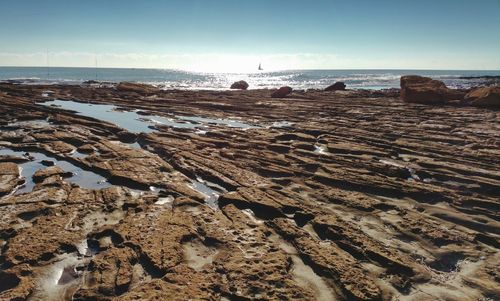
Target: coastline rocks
x,y
334,196
336,87
240,85
126,136
425,90
47,163
9,177
48,172
136,87
484,97
90,82
86,149
282,92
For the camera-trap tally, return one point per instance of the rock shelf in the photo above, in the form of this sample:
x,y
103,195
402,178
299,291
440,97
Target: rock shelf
x,y
344,195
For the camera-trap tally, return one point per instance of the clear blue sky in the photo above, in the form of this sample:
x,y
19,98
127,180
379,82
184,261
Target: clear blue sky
x,y
454,34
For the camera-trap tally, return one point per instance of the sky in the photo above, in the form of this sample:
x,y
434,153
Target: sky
x,y
223,35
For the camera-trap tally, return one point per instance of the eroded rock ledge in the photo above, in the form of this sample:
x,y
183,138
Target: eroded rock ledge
x,y
345,195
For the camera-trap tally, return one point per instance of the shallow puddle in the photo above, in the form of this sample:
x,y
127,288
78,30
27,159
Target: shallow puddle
x,y
412,172
228,122
252,217
281,124
449,262
83,178
60,279
197,255
36,123
130,121
135,145
320,149
139,123
211,195
165,201
77,154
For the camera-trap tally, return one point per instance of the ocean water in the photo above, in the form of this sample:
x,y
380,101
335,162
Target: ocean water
x,y
298,79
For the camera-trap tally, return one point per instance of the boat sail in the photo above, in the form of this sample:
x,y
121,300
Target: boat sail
x,y
260,66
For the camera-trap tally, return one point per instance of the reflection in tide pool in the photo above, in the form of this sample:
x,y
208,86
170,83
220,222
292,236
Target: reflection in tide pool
x,y
228,122
136,123
211,195
281,124
320,149
130,121
82,178
37,123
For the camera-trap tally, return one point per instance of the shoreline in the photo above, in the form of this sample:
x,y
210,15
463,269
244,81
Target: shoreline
x,y
297,79
110,84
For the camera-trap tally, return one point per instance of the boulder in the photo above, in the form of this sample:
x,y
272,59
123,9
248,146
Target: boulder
x,y
136,87
425,90
90,82
47,163
282,92
240,85
484,97
336,87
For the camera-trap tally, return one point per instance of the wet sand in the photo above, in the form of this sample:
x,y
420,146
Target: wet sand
x,y
175,195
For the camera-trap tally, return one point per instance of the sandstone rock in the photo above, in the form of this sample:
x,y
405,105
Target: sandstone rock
x,y
355,240
34,244
86,149
257,267
48,172
47,163
9,177
425,90
139,168
290,224
282,92
484,97
126,136
336,86
136,87
332,261
153,232
61,147
240,85
13,159
110,273
181,285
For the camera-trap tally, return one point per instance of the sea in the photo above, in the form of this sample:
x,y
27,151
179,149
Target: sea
x,y
297,79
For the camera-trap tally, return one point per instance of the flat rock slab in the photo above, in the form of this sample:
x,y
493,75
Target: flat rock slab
x,y
352,195
9,177
48,172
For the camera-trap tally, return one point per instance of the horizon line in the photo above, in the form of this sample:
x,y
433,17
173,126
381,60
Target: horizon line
x,y
262,71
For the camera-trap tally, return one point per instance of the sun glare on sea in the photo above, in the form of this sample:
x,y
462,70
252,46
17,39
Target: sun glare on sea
x,y
227,64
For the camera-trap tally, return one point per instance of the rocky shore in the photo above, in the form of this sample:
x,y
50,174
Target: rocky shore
x,y
237,195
